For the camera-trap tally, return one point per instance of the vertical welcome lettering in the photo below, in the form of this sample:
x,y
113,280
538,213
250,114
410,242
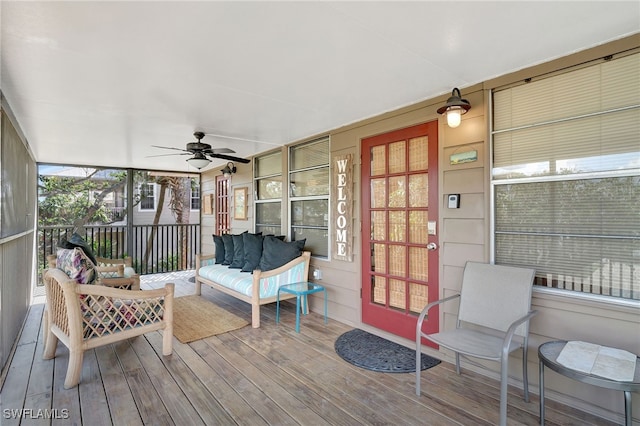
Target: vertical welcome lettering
x,y
343,213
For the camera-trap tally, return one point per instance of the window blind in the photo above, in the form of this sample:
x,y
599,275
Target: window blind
x,y
566,177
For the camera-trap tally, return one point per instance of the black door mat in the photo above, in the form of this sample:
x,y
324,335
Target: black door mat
x,y
371,352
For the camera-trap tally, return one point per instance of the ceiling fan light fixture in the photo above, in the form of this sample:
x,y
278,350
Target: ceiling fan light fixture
x,y
454,108
229,169
199,161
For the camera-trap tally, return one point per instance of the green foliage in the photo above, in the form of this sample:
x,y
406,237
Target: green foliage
x,y
169,264
64,200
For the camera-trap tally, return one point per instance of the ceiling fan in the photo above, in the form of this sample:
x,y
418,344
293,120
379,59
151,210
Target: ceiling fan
x,y
201,151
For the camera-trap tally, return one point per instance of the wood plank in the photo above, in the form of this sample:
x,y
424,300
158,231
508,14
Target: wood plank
x,y
221,360
301,390
65,400
277,391
39,390
92,394
205,403
178,405
16,383
317,368
118,394
325,382
236,406
150,406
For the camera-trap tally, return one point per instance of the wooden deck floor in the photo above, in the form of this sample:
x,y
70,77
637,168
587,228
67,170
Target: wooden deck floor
x,y
266,376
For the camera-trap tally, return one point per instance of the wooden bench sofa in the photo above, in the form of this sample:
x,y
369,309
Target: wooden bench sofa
x,y
257,288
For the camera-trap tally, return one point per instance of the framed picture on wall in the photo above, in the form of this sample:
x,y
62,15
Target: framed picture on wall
x,y
208,204
240,203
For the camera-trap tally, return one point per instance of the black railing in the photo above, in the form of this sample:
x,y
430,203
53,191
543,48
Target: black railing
x,y
155,248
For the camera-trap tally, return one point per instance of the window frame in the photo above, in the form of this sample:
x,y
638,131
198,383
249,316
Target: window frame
x,y
195,184
257,201
616,295
153,186
293,199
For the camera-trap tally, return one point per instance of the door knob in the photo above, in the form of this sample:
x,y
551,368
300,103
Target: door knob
x,y
432,246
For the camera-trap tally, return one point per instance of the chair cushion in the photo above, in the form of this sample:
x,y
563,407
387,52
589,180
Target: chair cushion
x,y
219,244
76,264
473,342
276,253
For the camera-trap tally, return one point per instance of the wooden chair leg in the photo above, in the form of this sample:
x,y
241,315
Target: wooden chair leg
x,y
74,369
45,327
51,343
167,341
255,315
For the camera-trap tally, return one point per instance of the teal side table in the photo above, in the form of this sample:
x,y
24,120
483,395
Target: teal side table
x,y
299,290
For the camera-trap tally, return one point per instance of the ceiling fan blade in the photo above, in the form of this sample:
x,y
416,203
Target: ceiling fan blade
x,y
168,147
219,151
230,158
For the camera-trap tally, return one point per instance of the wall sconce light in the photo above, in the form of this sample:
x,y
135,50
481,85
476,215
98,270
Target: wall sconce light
x,y
199,160
454,108
229,169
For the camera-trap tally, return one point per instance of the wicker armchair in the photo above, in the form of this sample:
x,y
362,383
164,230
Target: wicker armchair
x,y
111,270
116,273
84,317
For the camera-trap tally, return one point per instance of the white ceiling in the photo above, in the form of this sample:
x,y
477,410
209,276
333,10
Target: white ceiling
x,y
99,83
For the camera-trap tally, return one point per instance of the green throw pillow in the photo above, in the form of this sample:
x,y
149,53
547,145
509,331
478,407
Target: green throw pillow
x,y
252,244
219,244
276,253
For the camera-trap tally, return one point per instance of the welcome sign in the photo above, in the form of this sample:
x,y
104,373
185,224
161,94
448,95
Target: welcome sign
x,y
343,207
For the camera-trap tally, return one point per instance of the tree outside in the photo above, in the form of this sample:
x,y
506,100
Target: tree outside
x,y
94,203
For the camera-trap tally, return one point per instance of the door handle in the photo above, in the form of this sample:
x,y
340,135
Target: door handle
x,y
432,246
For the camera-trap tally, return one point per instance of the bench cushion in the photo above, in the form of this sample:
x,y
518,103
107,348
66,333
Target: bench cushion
x,y
242,282
230,278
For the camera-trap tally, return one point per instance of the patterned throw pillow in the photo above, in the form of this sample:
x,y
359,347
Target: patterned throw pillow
x,y
77,241
75,263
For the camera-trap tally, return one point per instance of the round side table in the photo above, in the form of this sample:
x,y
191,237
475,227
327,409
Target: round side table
x,y
548,355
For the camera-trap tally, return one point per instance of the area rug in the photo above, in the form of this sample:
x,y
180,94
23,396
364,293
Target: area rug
x,y
195,318
371,352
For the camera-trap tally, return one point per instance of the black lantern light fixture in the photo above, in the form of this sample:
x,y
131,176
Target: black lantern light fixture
x,y
229,169
455,108
199,160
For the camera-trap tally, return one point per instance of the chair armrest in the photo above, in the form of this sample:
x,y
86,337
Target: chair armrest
x,y
279,275
98,290
114,270
512,329
124,283
425,310
203,260
304,257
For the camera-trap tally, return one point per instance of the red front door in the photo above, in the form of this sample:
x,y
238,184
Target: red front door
x,y
399,215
